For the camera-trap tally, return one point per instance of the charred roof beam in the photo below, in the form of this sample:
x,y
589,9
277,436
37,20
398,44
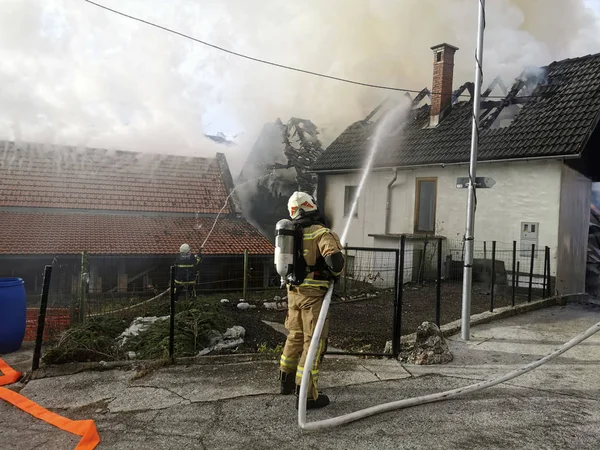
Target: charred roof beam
x,y
457,93
375,111
495,82
507,101
420,96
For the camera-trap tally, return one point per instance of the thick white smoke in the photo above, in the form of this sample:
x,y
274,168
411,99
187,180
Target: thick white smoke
x,y
74,74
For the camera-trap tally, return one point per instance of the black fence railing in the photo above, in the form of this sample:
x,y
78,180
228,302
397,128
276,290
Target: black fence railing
x,y
370,274
382,294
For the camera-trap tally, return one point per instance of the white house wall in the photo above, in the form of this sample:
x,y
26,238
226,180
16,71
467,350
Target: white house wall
x,y
525,191
576,191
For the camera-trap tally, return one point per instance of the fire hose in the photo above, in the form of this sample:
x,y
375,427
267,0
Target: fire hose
x,y
405,403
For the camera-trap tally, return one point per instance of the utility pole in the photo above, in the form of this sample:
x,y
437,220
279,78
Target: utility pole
x,y
469,234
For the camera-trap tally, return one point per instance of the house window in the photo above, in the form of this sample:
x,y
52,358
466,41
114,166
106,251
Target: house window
x,y
349,195
425,202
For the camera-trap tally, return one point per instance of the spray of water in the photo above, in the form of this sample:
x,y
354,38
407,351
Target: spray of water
x,y
390,121
227,201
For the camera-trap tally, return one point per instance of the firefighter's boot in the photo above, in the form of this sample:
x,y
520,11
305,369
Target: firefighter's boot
x,y
288,383
321,401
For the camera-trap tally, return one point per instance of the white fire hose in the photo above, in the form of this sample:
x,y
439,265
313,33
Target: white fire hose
x,y
399,404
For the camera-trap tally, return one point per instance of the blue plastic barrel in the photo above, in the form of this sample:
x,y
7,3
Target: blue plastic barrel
x,y
13,308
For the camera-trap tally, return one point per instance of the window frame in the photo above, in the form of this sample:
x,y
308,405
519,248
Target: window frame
x,y
346,213
418,182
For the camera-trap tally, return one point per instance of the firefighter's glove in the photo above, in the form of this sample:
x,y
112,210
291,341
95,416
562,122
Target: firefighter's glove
x,y
335,263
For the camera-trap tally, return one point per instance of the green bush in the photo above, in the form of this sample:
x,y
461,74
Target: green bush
x,y
194,321
92,340
95,339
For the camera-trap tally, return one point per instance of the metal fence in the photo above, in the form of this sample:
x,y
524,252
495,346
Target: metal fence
x,y
383,293
85,285
368,305
367,295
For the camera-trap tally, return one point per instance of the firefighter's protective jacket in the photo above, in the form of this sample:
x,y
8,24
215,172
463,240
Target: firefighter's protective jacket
x,y
318,242
186,268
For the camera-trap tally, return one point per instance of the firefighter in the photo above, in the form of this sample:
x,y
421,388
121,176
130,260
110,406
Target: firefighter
x,y
186,266
318,260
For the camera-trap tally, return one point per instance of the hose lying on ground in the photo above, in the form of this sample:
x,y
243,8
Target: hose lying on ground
x,y
399,404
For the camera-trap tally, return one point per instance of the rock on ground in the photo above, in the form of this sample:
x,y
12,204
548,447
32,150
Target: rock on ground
x,y
234,332
430,346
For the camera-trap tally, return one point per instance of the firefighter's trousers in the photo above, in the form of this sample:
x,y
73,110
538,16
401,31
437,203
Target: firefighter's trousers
x,y
187,288
301,320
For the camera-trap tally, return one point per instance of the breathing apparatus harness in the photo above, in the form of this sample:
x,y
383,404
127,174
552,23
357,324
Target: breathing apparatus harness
x,y
289,251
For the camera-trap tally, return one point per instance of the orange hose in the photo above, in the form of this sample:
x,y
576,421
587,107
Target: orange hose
x,y
84,428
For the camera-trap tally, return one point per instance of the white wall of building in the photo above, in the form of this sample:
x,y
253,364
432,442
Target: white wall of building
x,y
525,191
576,191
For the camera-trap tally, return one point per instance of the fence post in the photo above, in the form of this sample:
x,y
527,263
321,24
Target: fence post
x,y
545,267
172,316
35,365
531,272
423,257
395,318
549,284
438,288
245,287
346,270
484,249
514,259
518,271
396,343
83,283
63,279
493,276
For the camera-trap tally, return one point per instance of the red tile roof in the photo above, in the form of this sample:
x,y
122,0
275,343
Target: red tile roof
x,y
65,177
58,234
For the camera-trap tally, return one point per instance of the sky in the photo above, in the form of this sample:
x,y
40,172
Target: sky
x,y
74,74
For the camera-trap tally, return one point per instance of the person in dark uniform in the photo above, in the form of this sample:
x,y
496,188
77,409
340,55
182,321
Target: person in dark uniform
x,y
186,268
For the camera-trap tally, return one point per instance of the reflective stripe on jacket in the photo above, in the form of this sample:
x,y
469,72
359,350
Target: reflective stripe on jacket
x,y
185,272
318,241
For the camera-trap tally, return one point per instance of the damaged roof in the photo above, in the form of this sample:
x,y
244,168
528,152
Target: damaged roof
x,y
557,119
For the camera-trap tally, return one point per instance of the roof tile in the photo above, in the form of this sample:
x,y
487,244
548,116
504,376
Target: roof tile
x,y
43,233
55,177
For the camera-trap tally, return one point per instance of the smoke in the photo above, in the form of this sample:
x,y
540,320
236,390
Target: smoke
x,y
77,75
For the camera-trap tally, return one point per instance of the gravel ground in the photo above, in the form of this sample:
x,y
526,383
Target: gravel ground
x,y
366,325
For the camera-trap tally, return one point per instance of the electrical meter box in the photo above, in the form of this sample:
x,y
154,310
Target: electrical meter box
x,y
530,232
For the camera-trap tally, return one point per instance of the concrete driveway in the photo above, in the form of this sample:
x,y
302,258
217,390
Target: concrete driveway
x,y
235,406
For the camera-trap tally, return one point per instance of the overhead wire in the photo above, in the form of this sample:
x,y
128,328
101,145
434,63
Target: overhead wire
x,y
271,63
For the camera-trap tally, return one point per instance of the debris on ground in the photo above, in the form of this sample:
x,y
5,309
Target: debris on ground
x,y
232,338
138,325
430,346
234,332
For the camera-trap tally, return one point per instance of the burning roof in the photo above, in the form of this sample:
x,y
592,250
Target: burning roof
x,y
549,111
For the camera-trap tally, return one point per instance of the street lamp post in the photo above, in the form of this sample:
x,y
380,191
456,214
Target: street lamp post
x,y
469,233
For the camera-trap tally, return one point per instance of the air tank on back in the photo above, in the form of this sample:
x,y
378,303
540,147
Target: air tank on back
x,y
284,248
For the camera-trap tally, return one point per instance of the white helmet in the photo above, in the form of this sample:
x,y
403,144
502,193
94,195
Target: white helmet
x,y
301,201
185,248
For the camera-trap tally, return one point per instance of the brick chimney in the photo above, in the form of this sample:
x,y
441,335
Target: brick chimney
x,y
443,69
